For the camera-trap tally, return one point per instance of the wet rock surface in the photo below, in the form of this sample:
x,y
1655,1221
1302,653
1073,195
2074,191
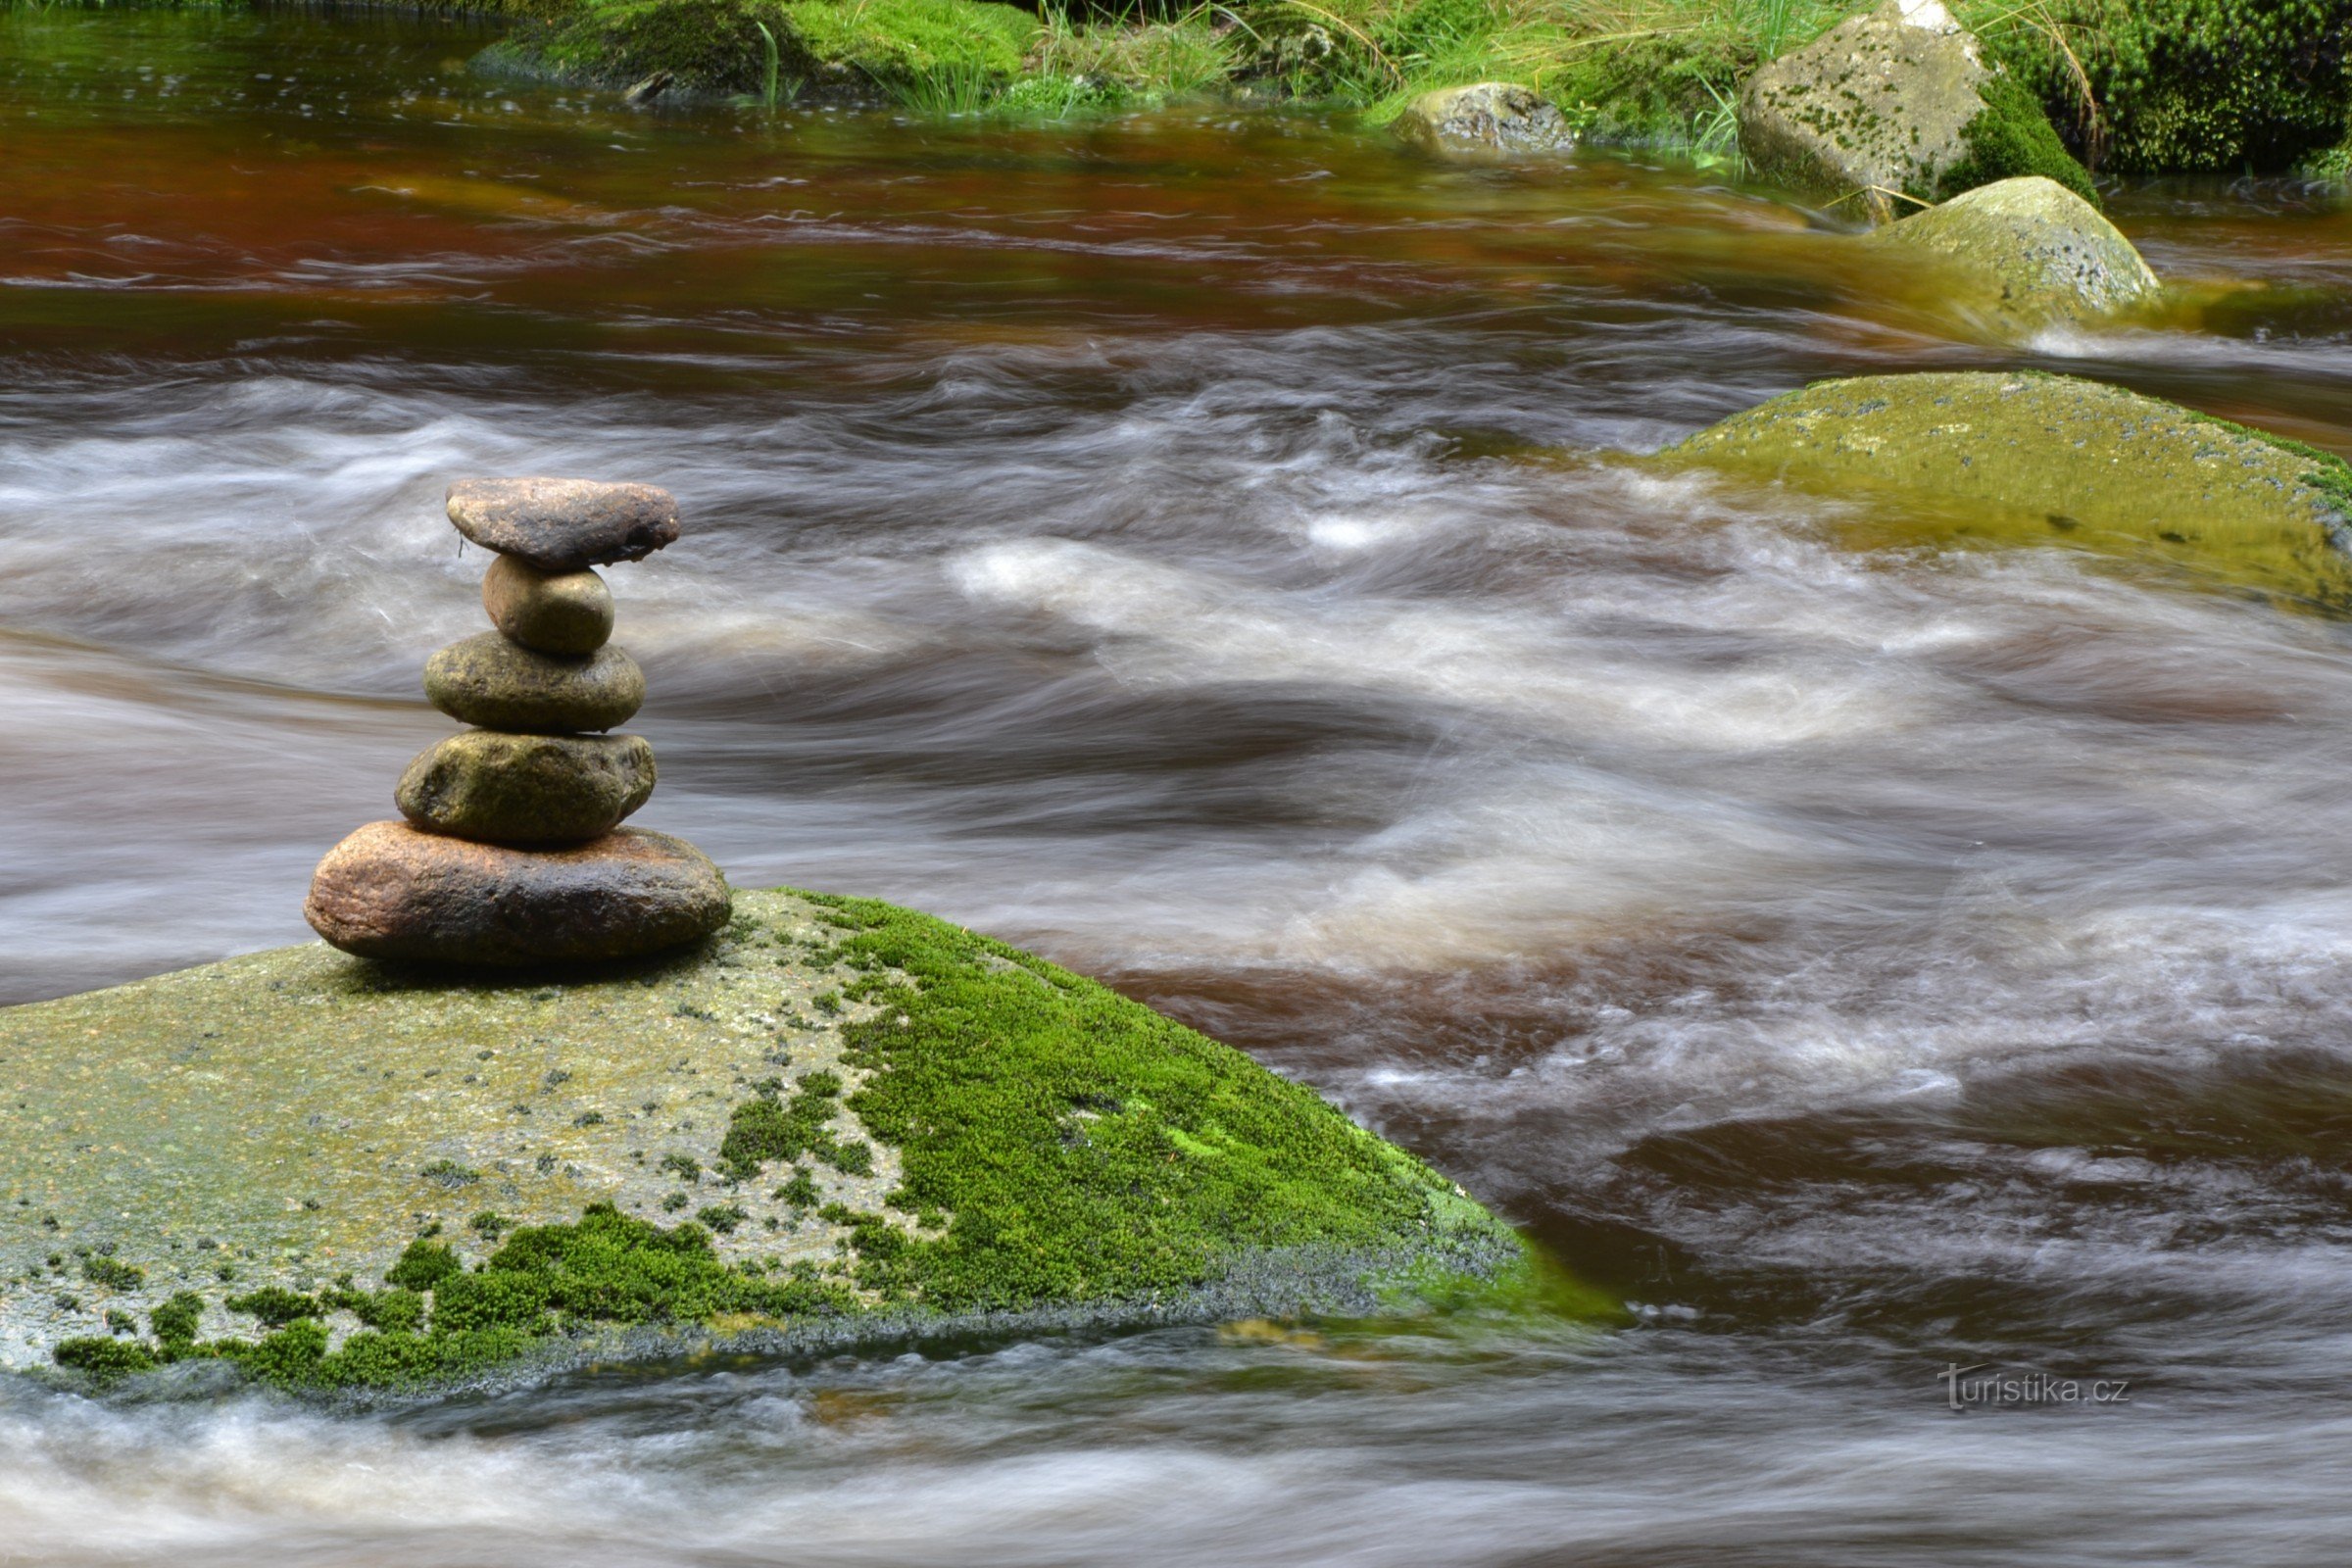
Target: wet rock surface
x,y
497,683
2026,254
527,789
559,525
1493,116
745,1110
391,891
2024,457
567,613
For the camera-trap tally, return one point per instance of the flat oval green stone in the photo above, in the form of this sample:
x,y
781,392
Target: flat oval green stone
x,y
567,612
527,789
498,684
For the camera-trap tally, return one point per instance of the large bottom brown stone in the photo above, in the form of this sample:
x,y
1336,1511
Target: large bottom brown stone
x,y
392,891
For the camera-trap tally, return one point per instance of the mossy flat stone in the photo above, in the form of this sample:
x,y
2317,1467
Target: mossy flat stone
x,y
568,613
2031,458
2022,255
391,891
497,683
559,525
1488,116
1898,103
836,1120
527,789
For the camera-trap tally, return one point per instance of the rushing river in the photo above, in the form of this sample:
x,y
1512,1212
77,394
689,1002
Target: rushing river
x,y
1173,542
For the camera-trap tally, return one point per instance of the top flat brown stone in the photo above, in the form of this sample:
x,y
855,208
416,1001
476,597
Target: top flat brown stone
x,y
563,524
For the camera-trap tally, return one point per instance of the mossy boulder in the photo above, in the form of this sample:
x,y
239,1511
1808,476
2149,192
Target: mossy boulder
x,y
1485,117
2031,459
1898,105
836,1121
2022,255
834,48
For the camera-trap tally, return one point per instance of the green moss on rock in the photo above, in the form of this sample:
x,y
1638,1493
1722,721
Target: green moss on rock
x,y
840,47
2032,458
995,1141
2012,138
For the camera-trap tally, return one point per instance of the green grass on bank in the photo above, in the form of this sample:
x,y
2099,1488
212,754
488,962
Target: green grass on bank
x,y
2136,85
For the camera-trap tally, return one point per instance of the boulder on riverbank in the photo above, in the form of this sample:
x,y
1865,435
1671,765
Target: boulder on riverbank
x,y
1489,117
837,1120
1900,104
2022,255
2024,459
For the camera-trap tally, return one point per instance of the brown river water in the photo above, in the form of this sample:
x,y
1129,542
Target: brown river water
x,y
1176,543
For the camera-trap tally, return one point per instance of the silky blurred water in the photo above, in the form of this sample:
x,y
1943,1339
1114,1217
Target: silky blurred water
x,y
1185,542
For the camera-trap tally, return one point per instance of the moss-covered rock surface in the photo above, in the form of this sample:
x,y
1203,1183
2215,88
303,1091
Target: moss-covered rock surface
x,y
2008,459
2020,256
835,1121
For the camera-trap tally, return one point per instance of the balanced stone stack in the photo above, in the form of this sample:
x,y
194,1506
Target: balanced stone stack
x,y
511,851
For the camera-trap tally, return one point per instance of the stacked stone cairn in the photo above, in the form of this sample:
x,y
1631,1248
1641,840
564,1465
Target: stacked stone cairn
x,y
511,851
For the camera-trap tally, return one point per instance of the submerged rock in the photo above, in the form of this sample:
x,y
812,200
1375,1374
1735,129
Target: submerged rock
x,y
564,525
390,891
2024,458
565,612
527,789
1490,116
489,680
1899,103
2025,254
839,1120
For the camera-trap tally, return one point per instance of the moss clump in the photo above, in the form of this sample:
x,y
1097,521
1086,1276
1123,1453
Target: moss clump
x,y
175,1324
606,1270
275,1306
99,1269
763,1128
2013,138
424,1265
1086,1147
106,1359
2186,85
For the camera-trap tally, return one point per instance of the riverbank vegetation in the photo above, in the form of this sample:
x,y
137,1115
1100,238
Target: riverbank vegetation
x,y
2136,85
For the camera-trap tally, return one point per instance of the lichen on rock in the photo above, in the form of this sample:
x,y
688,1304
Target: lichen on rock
x,y
2024,457
1897,106
834,1122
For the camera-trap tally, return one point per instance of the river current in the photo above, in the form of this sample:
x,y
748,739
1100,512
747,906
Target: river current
x,y
1184,543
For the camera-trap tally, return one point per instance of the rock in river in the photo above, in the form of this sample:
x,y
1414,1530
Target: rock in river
x,y
488,680
2022,255
563,524
390,891
2024,458
1488,116
527,789
558,613
1900,103
837,1122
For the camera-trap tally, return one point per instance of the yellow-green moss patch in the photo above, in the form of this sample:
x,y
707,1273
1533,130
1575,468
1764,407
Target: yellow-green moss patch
x,y
2031,458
